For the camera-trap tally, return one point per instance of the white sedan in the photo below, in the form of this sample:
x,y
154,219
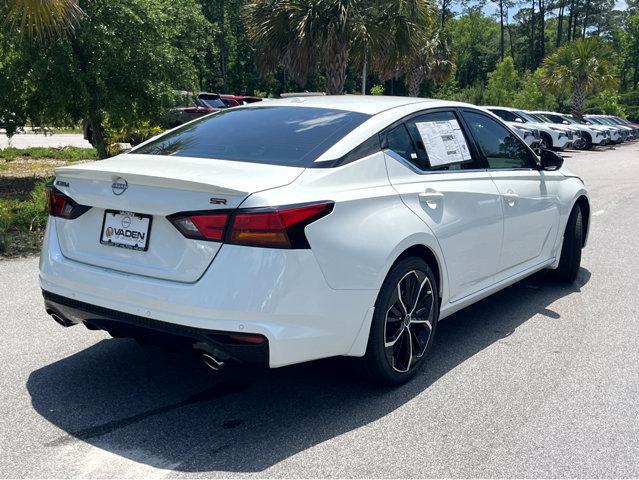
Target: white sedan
x,y
305,228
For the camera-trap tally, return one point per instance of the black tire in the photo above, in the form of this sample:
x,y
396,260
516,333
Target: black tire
x,y
570,259
411,322
588,140
546,142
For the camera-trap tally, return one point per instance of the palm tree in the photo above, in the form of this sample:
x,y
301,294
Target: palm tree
x,y
300,34
581,67
41,19
433,60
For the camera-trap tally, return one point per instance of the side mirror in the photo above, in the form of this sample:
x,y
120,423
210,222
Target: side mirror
x,y
565,122
519,120
551,160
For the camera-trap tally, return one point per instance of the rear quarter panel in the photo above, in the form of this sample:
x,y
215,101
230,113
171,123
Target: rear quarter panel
x,y
357,244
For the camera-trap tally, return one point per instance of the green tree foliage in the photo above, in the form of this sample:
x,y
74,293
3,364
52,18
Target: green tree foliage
x,y
502,83
579,67
41,19
125,61
302,34
606,102
475,41
532,95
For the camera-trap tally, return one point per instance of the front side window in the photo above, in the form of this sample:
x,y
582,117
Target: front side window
x,y
290,136
501,147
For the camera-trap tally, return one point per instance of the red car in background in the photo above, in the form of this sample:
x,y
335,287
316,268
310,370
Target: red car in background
x,y
237,100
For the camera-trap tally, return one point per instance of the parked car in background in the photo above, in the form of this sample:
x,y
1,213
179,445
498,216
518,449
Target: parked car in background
x,y
194,106
551,136
626,132
237,100
578,141
529,135
628,123
593,135
333,226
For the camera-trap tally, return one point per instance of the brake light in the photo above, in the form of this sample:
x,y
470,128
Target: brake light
x,y
275,228
60,205
279,227
201,226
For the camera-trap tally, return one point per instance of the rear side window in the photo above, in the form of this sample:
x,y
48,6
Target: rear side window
x,y
441,142
501,148
291,136
398,140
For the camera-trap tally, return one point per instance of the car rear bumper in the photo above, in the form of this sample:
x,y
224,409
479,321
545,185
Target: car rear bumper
x,y
279,294
67,312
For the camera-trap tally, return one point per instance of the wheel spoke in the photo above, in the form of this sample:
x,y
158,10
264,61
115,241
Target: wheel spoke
x,y
399,297
396,337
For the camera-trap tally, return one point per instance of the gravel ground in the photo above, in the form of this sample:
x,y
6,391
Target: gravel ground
x,y
539,380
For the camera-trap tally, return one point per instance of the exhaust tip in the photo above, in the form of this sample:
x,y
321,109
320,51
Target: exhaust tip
x,y
59,318
212,362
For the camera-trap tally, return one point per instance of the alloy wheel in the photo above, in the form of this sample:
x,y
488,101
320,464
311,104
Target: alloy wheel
x,y
409,321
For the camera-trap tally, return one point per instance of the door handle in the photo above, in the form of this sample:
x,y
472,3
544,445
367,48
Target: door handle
x,y
431,197
511,198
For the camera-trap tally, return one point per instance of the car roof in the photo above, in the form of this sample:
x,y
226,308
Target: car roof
x,y
510,109
368,104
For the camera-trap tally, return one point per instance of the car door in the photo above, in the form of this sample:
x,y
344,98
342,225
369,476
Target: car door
x,y
440,178
529,195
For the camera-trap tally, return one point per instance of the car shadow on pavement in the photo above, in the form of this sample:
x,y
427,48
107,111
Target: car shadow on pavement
x,y
165,410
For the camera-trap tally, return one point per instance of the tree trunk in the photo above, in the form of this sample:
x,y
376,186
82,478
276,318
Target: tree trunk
x,y
573,35
542,31
95,124
571,19
560,25
510,38
364,72
501,29
585,26
531,40
578,100
335,66
414,80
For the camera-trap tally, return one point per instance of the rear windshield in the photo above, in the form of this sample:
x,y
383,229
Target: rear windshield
x,y
293,136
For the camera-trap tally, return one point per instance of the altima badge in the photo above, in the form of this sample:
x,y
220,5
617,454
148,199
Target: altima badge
x,y
119,186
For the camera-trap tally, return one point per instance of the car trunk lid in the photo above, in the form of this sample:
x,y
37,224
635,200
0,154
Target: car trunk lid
x,y
154,187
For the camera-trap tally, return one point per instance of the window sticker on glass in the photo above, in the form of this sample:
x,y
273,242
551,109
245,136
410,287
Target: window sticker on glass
x,y
444,142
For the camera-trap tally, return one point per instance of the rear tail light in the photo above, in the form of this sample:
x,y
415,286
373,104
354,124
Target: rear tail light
x,y
201,226
280,227
60,205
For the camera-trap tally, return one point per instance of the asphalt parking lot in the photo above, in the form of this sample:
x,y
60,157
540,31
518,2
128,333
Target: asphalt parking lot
x,y
539,380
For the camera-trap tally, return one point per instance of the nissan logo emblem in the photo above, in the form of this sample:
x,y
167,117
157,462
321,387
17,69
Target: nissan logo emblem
x,y
119,186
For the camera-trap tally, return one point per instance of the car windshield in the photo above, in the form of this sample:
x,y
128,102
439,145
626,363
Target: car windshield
x,y
213,102
292,136
526,116
542,117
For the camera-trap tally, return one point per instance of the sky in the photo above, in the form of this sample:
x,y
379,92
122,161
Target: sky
x,y
491,8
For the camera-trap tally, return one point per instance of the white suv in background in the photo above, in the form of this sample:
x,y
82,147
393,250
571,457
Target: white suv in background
x,y
592,134
555,137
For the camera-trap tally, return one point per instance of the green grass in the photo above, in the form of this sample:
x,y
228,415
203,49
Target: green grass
x,y
69,154
22,221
